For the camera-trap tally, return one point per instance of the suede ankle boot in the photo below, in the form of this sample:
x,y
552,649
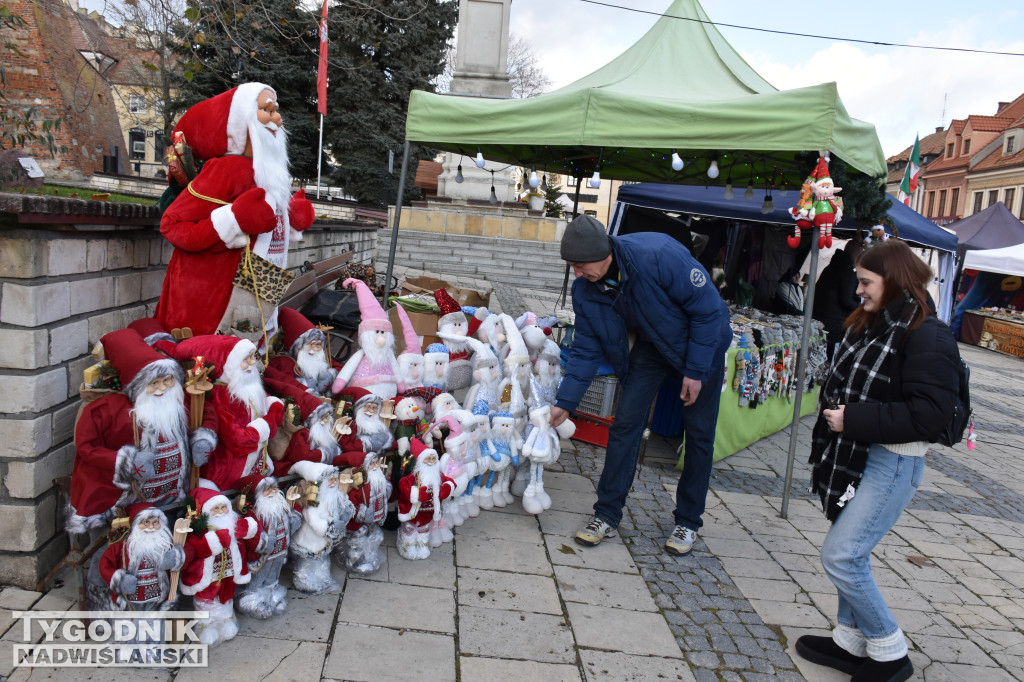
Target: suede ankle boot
x,y
824,651
884,671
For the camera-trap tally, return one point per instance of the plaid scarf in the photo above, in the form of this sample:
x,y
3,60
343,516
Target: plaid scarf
x,y
860,374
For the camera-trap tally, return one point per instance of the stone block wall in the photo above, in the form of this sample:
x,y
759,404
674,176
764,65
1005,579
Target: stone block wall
x,y
71,271
505,222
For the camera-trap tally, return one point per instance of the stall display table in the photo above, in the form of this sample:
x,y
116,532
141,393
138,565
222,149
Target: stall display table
x,y
998,330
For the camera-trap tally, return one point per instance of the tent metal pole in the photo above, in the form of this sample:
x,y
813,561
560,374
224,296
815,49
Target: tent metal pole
x,y
394,226
575,208
801,369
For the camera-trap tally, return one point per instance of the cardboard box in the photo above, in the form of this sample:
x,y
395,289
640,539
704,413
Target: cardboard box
x,y
428,285
425,325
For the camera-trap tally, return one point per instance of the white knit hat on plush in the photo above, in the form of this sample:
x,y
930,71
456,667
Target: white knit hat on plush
x,y
313,471
517,353
373,317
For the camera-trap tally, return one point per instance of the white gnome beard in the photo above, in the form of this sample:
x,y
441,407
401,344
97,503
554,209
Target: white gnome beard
x,y
329,501
367,424
147,546
161,416
378,484
311,366
412,369
224,521
377,356
430,476
270,164
271,510
247,388
321,435
546,377
435,377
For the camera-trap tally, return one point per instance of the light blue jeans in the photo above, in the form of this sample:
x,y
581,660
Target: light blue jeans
x,y
866,626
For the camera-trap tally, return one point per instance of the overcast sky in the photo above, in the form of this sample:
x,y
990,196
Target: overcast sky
x,y
901,91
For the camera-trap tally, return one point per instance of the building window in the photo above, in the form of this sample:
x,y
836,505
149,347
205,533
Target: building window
x,y
967,147
942,202
137,144
159,145
158,107
993,197
570,181
949,151
954,199
931,204
1010,144
1008,198
977,202
136,104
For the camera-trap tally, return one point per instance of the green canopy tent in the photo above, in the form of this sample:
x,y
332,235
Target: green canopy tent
x,y
681,88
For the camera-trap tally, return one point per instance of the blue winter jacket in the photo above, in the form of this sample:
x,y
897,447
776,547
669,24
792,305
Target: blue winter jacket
x,y
675,306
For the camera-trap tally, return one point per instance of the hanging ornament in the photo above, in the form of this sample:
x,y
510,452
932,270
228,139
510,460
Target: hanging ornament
x,y
827,208
802,213
458,175
677,162
479,158
713,169
595,179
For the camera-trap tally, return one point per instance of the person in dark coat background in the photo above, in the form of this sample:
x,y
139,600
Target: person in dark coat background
x,y
836,293
650,286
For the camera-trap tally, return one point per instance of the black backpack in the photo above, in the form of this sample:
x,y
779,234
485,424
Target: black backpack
x,y
963,415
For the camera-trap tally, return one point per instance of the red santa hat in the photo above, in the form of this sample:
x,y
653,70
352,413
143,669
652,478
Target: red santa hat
x,y
225,353
373,317
310,407
206,499
412,341
353,393
418,449
254,485
313,471
136,363
297,329
820,171
141,511
451,311
150,329
220,125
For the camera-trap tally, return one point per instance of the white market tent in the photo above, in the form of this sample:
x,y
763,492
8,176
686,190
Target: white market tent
x,y
1008,260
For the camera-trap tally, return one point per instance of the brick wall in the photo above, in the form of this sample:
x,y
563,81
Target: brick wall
x,y
71,271
50,76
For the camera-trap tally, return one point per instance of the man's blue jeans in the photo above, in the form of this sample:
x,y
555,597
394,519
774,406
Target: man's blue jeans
x,y
888,484
647,368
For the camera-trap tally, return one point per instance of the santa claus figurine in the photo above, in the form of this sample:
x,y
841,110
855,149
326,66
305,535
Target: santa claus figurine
x,y
307,361
241,200
264,596
410,360
369,431
134,446
503,445
419,503
435,371
137,567
548,369
456,465
247,418
326,510
360,551
374,366
453,322
216,561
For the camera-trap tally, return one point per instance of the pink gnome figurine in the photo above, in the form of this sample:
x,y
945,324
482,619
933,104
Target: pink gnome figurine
x,y
374,366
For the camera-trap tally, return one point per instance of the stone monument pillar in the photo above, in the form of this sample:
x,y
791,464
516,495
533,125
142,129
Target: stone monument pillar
x,y
481,70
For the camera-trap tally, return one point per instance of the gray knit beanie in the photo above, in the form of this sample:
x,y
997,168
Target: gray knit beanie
x,y
585,241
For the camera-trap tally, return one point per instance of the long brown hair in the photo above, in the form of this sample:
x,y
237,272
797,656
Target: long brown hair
x,y
901,271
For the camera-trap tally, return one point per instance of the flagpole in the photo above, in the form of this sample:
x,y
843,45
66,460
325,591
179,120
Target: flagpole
x,y
320,156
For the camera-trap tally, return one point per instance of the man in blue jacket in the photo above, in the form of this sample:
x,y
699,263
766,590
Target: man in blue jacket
x,y
648,286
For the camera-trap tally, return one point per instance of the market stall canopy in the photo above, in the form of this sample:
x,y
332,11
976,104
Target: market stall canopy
x,y
1008,260
680,87
993,228
709,201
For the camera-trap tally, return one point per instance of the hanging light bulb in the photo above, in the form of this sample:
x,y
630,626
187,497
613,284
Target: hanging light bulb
x,y
534,180
713,169
595,179
677,163
494,197
729,194
768,206
479,158
783,191
544,183
749,194
458,175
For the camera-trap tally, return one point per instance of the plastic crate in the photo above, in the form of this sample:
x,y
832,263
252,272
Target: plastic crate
x,y
601,398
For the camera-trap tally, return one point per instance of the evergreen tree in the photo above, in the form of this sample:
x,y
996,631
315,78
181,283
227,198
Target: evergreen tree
x,y
552,209
227,42
379,52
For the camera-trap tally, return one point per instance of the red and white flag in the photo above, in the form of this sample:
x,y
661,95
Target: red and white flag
x,y
909,184
321,72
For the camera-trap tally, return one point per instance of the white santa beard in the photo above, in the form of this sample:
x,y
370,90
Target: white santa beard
x,y
247,388
329,501
224,521
271,510
321,435
412,369
379,357
437,378
368,425
378,483
147,546
161,416
270,164
311,366
545,376
430,476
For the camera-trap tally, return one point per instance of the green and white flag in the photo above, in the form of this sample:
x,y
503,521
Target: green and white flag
x,y
909,184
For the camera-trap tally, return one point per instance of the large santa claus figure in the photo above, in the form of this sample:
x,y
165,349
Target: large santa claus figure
x,y
419,504
137,567
360,551
134,446
247,418
215,562
264,596
241,197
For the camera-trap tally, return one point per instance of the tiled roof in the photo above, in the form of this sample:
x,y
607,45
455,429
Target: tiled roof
x,y
88,36
929,144
989,124
943,164
958,125
995,159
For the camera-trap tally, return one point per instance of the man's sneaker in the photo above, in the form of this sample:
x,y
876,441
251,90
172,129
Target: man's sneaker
x,y
592,533
680,543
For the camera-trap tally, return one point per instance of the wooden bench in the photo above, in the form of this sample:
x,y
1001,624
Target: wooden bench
x,y
314,277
